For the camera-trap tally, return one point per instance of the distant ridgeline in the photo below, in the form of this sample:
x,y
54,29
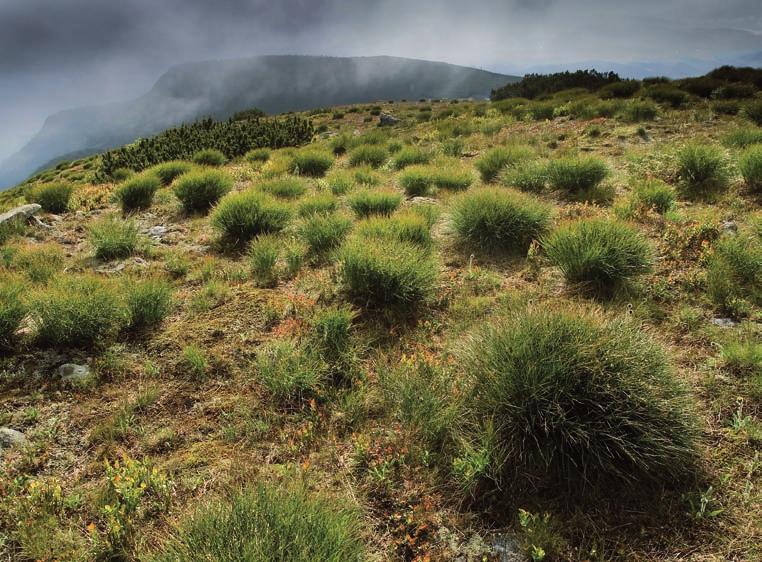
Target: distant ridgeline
x,y
233,138
725,82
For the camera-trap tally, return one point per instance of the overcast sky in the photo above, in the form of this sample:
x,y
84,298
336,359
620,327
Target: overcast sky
x,y
56,54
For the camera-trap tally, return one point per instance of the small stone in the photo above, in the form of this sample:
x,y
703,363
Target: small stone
x,y
387,119
111,268
507,549
71,372
730,226
11,438
157,232
724,322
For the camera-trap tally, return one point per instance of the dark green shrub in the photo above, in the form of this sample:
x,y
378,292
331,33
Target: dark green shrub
x,y
417,180
622,89
257,155
534,85
410,155
638,111
366,202
494,161
137,192
78,311
368,155
702,169
701,86
114,238
312,163
726,107
168,171
598,255
499,219
323,233
12,310
568,398
753,111
52,197
267,524
734,276
576,175
750,165
239,217
734,91
320,204
386,274
209,157
667,94
200,190
285,188
148,301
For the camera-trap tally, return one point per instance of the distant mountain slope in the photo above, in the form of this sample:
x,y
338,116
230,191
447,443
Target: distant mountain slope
x,y
220,88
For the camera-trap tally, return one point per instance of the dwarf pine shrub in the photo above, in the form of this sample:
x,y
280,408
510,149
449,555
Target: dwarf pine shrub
x,y
268,524
209,157
499,219
199,190
241,216
137,192
368,155
285,188
598,255
566,397
312,163
148,301
114,238
78,311
367,202
494,161
750,165
52,197
702,169
167,172
386,274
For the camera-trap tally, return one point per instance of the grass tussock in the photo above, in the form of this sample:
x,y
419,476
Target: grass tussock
x,y
209,157
12,309
404,226
702,169
137,193
494,161
499,219
417,180
576,175
239,217
750,166
368,155
52,197
410,156
323,233
734,274
114,238
199,190
368,202
285,188
311,163
148,301
167,172
566,397
598,255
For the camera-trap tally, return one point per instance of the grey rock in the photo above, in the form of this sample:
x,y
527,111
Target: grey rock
x,y
23,212
157,232
730,227
507,549
387,119
71,372
11,438
111,268
724,322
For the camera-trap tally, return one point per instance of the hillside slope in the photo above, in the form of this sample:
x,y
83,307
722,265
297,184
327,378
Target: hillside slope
x,y
220,88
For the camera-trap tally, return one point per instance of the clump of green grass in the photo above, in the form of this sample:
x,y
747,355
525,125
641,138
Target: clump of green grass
x,y
209,157
750,165
312,163
452,177
257,155
39,262
702,169
12,309
528,176
291,373
341,143
52,197
368,155
148,301
753,111
167,172
263,256
241,216
566,397
199,190
332,332
364,175
742,357
499,219
340,182
598,255
638,111
734,275
285,188
382,202
193,362
137,192
576,175
78,311
404,226
409,156
387,274
268,524
121,174
417,180
653,194
114,238
320,204
322,233
494,161
743,137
